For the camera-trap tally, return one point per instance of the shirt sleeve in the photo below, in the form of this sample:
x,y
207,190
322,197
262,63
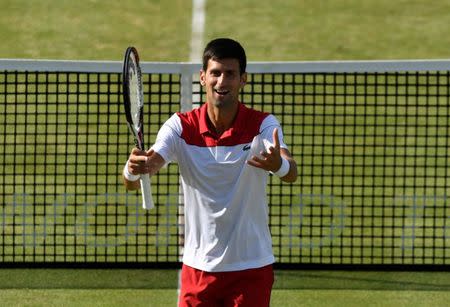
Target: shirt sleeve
x,y
168,138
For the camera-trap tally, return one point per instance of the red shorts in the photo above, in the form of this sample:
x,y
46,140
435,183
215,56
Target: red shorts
x,y
250,287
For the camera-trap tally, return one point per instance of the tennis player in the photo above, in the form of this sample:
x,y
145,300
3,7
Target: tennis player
x,y
225,152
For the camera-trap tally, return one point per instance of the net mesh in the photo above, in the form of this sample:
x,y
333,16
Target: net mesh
x,y
371,148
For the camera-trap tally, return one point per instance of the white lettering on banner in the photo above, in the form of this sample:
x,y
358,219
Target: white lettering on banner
x,y
315,221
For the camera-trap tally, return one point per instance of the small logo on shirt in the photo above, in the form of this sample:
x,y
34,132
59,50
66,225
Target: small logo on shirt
x,y
246,147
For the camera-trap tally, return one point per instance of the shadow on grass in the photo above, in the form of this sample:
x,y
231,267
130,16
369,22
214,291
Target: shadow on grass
x,y
88,279
362,280
168,279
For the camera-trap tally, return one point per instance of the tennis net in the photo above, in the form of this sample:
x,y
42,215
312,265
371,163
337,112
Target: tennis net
x,y
371,141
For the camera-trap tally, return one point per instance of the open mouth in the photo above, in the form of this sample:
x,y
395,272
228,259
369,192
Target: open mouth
x,y
221,92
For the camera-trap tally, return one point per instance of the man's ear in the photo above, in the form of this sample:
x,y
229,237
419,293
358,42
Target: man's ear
x,y
202,77
243,79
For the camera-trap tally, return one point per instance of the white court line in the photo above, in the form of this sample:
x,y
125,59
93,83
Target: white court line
x,y
198,29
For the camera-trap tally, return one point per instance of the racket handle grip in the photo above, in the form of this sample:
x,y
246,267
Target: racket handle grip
x,y
147,199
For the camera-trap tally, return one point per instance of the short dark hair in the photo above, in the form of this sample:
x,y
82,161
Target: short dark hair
x,y
225,48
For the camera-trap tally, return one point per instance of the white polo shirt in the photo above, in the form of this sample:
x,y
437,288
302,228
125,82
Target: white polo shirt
x,y
226,210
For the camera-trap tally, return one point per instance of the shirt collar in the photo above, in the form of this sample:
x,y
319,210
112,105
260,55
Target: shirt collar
x,y
204,118
204,127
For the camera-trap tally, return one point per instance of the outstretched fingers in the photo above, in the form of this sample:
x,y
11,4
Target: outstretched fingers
x,y
270,159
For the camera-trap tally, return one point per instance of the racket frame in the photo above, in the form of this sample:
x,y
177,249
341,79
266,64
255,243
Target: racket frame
x,y
136,130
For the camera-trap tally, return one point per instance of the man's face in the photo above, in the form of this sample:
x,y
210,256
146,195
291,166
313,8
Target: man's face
x,y
223,81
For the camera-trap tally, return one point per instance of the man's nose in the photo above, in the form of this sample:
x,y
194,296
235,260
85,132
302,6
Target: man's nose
x,y
221,79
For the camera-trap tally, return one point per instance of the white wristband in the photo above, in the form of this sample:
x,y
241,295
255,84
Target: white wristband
x,y
129,176
284,168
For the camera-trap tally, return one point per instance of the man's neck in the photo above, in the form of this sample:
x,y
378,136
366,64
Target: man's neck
x,y
221,119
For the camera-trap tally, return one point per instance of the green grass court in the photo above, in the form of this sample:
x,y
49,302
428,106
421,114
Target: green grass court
x,y
64,287
287,30
270,31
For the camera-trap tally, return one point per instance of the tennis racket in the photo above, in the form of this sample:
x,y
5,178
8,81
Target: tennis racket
x,y
133,98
